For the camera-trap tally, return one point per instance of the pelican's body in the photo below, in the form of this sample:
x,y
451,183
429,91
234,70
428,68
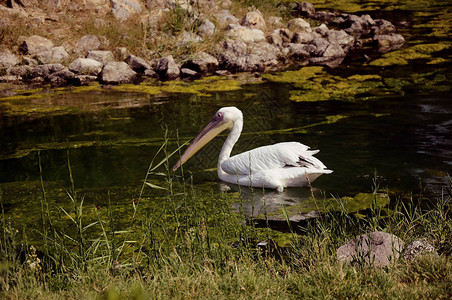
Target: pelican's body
x,y
277,166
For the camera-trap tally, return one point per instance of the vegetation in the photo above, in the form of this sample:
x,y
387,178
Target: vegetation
x,y
178,241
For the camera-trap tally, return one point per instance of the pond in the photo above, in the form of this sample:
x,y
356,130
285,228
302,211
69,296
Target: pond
x,y
387,121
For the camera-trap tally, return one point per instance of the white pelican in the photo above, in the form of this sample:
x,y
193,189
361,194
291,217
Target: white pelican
x,y
277,166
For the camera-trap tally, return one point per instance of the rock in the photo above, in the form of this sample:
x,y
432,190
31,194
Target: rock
x,y
341,38
117,72
245,34
35,44
383,27
302,38
46,70
321,44
101,56
376,249
306,9
331,62
322,30
207,28
88,42
29,61
137,63
388,42
185,72
280,37
8,59
202,63
53,56
86,66
61,77
150,73
254,20
298,51
122,53
167,68
10,78
246,63
265,51
334,50
417,248
224,18
299,25
124,9
23,71
84,79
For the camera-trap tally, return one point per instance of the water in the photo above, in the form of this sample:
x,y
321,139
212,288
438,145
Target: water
x,y
398,132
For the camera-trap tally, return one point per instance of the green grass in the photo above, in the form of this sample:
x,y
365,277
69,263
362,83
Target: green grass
x,y
182,241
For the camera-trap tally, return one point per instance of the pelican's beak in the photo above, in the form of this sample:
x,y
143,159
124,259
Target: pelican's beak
x,y
215,127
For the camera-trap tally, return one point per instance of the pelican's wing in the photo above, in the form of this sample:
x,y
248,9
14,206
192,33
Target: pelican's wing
x,y
272,157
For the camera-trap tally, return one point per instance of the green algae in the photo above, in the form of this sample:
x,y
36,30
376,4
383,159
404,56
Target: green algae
x,y
403,56
350,205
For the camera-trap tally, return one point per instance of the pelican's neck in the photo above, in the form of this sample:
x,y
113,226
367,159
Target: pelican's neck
x,y
232,138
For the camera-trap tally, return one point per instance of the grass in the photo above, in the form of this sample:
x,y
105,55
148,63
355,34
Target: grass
x,y
180,241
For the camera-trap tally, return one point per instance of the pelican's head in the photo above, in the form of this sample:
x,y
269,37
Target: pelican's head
x,y
223,119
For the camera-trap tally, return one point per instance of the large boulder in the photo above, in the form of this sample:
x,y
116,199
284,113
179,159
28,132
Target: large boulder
x,y
86,66
117,72
417,248
378,249
137,63
254,20
388,42
224,18
8,59
35,44
202,63
61,77
167,68
88,42
101,56
299,25
124,9
248,35
53,56
46,70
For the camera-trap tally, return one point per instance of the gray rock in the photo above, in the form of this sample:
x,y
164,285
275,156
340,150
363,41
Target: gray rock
x,y
207,28
137,63
150,73
202,63
8,59
321,44
29,61
298,51
10,78
331,62
23,71
246,63
376,249
117,72
122,53
35,44
124,9
280,37
306,9
247,35
61,77
322,30
388,42
302,38
85,66
417,248
46,70
88,42
224,18
101,56
167,68
53,56
341,38
84,79
334,50
299,25
254,20
383,27
185,72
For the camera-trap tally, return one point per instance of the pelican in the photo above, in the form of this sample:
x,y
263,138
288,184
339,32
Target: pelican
x,y
288,164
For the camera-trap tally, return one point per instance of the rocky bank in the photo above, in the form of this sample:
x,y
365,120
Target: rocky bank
x,y
244,43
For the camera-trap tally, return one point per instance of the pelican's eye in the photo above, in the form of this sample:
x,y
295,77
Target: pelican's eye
x,y
218,115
